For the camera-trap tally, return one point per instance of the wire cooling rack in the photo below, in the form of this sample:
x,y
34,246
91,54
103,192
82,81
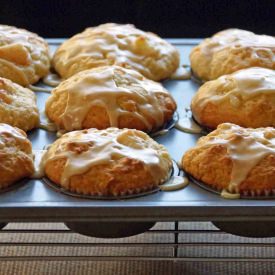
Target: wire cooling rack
x,y
173,241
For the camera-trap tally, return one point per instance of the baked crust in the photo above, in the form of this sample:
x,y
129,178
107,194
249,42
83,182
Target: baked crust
x,y
232,153
231,50
18,105
110,97
107,162
16,159
24,56
114,44
246,98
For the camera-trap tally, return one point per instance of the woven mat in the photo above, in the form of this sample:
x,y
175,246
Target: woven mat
x,y
130,267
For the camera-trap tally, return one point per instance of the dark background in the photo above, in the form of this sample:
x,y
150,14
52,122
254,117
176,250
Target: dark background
x,y
55,18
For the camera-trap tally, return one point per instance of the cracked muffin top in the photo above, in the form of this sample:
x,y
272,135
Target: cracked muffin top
x,y
115,44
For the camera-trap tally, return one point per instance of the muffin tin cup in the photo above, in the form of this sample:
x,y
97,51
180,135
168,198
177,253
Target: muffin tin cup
x,y
175,171
250,229
167,127
248,195
109,229
14,186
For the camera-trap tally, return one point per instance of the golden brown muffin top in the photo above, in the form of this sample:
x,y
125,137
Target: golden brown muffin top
x,y
231,50
16,159
246,147
87,148
237,87
236,38
24,56
18,105
115,44
117,89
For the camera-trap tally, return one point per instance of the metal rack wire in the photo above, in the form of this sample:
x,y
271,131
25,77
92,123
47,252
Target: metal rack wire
x,y
190,242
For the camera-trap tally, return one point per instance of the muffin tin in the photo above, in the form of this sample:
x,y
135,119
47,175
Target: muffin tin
x,y
35,201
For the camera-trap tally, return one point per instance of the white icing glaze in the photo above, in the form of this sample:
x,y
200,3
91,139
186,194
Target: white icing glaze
x,y
246,148
181,74
45,123
38,165
226,195
187,124
48,126
114,44
52,80
7,129
99,88
160,133
174,183
236,38
249,82
39,89
87,148
23,53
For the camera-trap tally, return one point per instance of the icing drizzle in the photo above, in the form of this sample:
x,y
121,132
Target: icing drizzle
x,y
246,148
87,148
99,87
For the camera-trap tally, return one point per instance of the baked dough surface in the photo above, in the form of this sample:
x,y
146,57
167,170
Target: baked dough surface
x,y
16,158
24,56
110,96
240,160
107,162
231,50
246,98
114,44
18,105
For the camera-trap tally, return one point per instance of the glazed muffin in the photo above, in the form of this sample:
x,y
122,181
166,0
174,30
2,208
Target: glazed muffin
x,y
107,162
18,106
231,50
235,159
110,97
114,44
16,159
246,98
24,56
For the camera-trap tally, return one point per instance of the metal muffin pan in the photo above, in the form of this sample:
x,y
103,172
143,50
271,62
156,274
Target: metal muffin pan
x,y
37,202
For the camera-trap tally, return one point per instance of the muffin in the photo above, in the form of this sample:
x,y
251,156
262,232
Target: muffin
x,y
110,96
231,50
114,44
246,98
16,159
24,56
18,106
235,159
109,162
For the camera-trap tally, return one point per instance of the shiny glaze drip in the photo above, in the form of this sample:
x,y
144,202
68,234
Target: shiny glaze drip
x,y
114,44
48,126
38,165
249,83
246,148
52,80
23,52
85,149
236,38
99,88
6,129
187,124
40,89
175,183
181,74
